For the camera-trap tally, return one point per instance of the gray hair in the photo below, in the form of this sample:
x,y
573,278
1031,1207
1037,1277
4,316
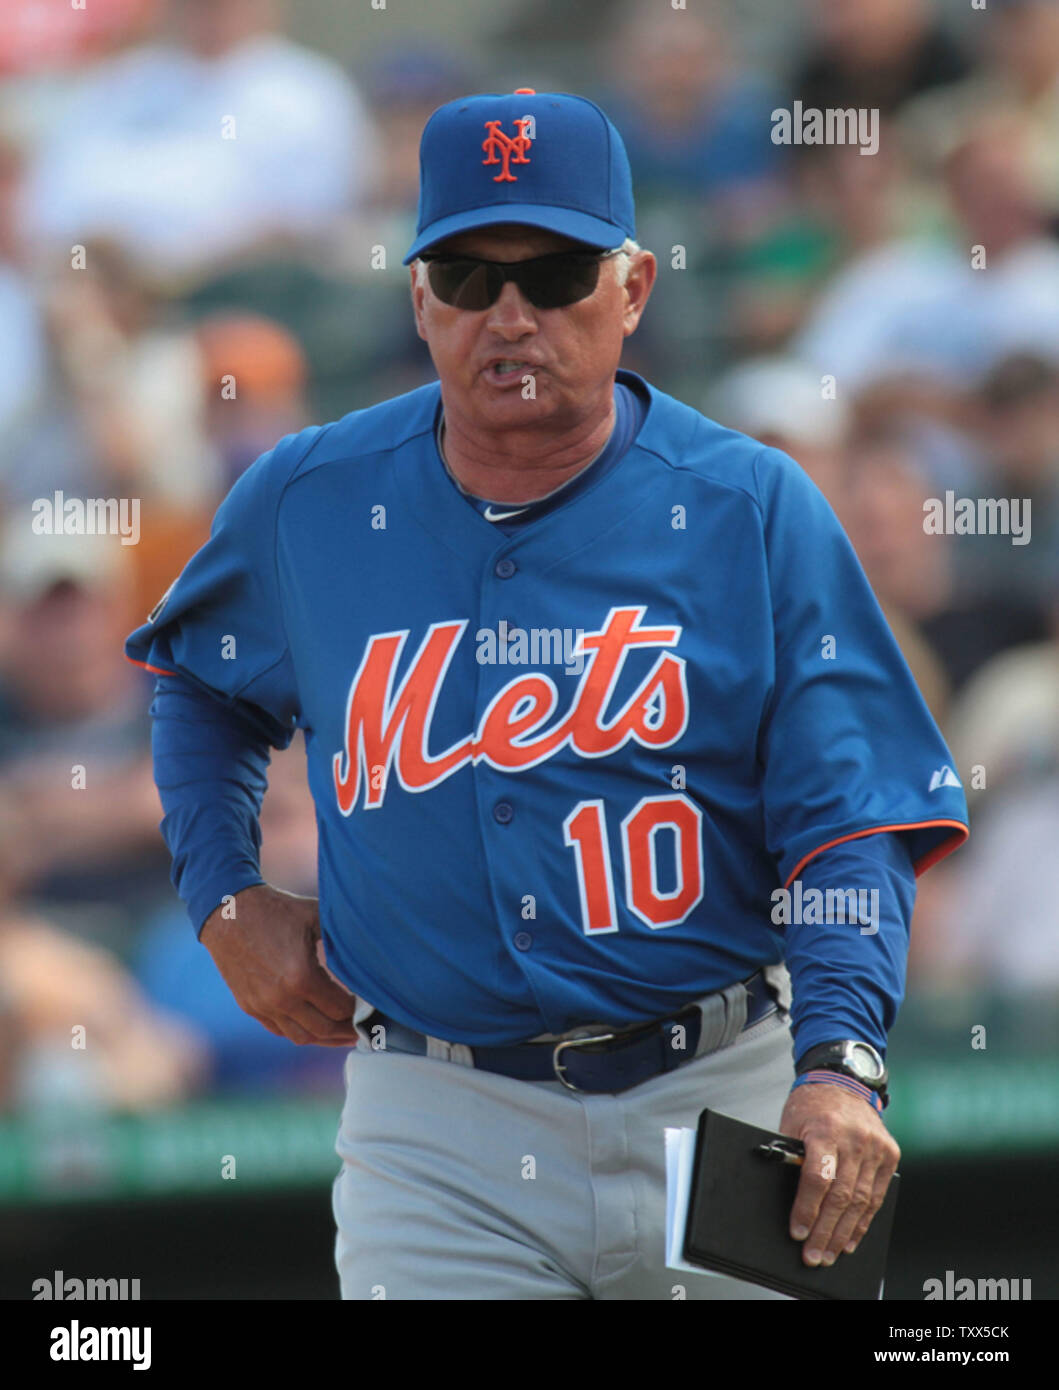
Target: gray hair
x,y
622,261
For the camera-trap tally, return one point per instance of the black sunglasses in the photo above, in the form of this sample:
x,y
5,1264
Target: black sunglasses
x,y
548,282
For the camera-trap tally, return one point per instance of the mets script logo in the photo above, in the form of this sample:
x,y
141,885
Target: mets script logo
x,y
388,729
513,149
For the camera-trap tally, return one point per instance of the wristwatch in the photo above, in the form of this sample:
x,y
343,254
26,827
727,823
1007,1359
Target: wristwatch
x,y
857,1059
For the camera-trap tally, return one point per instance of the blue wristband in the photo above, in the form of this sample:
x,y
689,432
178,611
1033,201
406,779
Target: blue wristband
x,y
837,1078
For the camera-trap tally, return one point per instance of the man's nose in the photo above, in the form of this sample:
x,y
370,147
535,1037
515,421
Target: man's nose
x,y
512,315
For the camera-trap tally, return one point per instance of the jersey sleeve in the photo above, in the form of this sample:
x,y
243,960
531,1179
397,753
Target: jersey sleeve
x,y
210,767
848,975
221,623
848,744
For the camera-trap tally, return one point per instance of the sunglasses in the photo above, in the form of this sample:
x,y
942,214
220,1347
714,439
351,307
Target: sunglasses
x,y
548,282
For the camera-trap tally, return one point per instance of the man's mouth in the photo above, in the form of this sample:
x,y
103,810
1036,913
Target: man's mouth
x,y
507,369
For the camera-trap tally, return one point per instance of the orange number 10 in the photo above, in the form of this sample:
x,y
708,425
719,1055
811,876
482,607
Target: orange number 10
x,y
585,832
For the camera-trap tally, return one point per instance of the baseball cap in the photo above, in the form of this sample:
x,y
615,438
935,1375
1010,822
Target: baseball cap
x,y
540,159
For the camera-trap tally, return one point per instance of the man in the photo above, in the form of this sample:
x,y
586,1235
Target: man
x,y
562,650
219,138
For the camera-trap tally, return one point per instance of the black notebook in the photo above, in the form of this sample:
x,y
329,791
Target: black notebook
x,y
739,1217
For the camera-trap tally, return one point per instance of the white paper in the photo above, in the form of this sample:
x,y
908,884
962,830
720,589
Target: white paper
x,y
680,1158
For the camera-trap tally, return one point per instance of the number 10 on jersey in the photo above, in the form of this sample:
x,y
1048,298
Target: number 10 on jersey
x,y
585,832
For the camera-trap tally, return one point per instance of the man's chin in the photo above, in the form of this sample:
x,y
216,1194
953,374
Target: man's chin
x,y
526,402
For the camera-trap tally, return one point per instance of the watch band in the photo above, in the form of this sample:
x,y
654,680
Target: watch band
x,y
830,1057
876,1099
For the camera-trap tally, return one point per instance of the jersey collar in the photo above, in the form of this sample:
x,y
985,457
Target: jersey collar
x,y
444,513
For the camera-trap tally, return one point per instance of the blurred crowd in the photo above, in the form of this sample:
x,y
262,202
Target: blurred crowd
x,y
191,197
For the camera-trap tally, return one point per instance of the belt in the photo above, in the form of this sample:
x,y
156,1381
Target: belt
x,y
598,1062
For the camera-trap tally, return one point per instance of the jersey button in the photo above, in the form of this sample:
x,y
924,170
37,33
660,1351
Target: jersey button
x,y
523,940
503,812
505,568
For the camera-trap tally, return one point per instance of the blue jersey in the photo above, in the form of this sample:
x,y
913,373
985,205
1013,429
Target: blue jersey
x,y
560,769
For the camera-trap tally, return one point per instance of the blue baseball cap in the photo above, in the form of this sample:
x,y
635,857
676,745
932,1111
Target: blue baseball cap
x,y
539,159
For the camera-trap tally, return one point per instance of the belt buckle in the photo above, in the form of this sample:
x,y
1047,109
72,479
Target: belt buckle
x,y
559,1067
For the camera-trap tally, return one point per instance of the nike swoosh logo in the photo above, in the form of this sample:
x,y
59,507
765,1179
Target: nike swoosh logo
x,y
490,515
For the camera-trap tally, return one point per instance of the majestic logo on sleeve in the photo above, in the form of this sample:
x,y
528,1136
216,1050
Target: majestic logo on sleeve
x,y
512,149
943,777
388,729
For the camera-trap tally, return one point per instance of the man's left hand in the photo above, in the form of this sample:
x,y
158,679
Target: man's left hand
x,y
850,1157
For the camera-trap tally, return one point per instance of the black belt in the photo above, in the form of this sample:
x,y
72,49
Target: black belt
x,y
598,1063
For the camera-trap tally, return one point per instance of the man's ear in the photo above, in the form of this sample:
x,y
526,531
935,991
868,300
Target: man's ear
x,y
418,297
638,287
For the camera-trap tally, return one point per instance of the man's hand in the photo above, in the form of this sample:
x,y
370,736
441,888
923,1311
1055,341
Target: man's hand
x,y
272,960
850,1158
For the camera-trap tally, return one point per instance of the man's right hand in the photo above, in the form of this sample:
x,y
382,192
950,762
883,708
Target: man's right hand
x,y
271,960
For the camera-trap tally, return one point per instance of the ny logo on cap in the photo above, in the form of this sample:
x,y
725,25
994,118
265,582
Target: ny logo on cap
x,y
512,148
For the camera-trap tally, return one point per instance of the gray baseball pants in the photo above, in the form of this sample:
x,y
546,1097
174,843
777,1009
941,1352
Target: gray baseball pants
x,y
461,1184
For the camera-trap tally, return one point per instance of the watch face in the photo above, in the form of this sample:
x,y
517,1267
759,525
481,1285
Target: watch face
x,y
865,1061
